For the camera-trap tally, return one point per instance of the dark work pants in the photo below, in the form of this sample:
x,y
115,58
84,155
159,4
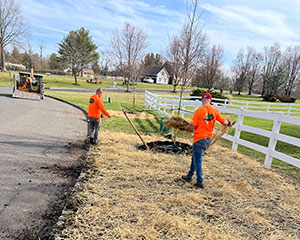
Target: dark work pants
x,y
94,127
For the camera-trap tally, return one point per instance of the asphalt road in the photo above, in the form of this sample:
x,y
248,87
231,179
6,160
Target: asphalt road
x,y
41,149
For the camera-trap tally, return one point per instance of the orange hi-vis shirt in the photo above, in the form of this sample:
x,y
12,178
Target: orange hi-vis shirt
x,y
204,120
96,107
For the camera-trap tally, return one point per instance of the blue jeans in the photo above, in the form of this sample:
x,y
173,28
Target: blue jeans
x,y
198,149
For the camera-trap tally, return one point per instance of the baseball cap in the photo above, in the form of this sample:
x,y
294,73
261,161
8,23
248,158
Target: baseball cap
x,y
206,95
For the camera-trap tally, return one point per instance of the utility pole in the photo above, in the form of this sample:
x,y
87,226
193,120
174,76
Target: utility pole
x,y
41,44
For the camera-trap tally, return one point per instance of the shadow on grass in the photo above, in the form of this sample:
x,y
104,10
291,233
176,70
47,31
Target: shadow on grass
x,y
129,109
144,128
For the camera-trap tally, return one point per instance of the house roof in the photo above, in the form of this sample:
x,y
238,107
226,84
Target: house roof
x,y
168,66
87,70
152,71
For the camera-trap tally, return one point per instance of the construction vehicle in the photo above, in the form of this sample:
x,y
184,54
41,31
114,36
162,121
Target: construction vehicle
x,y
28,85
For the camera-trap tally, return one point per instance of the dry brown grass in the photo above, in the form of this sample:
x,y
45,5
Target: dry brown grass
x,y
176,122
139,115
132,194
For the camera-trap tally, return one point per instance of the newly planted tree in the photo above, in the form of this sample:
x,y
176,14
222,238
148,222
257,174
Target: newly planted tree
x,y
193,43
188,49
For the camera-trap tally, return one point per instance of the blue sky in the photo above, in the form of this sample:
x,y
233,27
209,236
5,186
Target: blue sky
x,y
233,24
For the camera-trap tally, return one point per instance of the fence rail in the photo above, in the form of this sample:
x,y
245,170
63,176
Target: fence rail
x,y
166,106
284,108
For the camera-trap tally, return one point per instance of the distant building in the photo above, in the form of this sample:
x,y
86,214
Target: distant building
x,y
88,73
15,66
159,75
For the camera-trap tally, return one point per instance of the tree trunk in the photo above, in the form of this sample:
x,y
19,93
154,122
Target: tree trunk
x,y
174,88
75,77
133,102
249,91
263,89
3,69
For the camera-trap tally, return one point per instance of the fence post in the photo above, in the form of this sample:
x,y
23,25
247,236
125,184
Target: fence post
x,y
182,108
172,129
197,105
272,141
225,103
290,108
146,99
268,107
237,133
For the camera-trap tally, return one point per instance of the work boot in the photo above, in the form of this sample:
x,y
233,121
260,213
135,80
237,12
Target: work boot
x,y
186,178
197,185
92,140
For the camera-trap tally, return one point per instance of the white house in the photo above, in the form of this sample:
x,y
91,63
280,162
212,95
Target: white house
x,y
157,75
162,76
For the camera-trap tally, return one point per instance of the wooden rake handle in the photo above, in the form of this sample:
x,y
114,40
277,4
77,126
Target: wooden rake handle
x,y
134,128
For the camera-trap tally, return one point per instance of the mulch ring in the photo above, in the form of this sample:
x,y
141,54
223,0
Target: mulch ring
x,y
168,147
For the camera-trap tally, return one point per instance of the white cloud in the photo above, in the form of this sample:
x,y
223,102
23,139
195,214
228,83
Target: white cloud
x,y
101,18
265,23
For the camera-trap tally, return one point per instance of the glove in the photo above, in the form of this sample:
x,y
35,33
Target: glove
x,y
229,124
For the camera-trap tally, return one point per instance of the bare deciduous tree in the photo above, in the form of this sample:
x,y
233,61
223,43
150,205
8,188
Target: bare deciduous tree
x,y
174,56
240,70
210,71
271,61
104,61
128,46
254,74
291,63
12,26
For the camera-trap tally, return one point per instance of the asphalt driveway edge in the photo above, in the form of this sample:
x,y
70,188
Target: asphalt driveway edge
x,y
59,224
72,104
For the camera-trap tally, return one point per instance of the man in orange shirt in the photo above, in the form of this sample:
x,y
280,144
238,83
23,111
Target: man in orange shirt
x,y
96,108
202,125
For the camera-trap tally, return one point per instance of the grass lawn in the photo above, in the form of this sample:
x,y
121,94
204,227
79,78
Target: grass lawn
x,y
152,126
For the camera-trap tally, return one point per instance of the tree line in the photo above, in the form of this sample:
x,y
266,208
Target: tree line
x,y
193,61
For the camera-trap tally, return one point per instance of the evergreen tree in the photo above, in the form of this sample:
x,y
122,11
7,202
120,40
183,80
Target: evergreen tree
x,y
77,50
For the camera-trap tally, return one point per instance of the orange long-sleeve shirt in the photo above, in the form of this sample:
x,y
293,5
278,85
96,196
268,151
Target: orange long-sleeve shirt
x,y
204,120
96,107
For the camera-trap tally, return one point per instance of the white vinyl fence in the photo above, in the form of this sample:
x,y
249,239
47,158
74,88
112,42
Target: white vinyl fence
x,y
167,107
173,101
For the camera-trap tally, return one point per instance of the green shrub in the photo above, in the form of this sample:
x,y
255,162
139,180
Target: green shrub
x,y
199,92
